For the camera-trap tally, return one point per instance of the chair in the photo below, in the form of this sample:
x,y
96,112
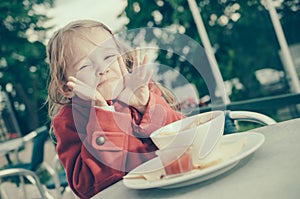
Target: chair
x,y
232,117
19,169
21,173
59,179
39,137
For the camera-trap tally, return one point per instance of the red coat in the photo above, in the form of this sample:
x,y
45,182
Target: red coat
x,y
99,151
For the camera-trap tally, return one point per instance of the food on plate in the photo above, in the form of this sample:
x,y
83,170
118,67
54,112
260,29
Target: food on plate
x,y
181,165
224,152
193,124
166,133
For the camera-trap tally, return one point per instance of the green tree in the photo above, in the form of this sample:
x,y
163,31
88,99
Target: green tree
x,y
23,71
240,31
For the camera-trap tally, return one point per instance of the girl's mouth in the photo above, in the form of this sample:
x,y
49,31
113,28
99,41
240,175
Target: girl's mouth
x,y
101,83
113,79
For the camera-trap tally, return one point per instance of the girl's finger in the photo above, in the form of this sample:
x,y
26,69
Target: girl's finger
x,y
143,67
71,82
71,85
122,65
136,61
149,75
84,91
76,82
72,79
142,71
146,59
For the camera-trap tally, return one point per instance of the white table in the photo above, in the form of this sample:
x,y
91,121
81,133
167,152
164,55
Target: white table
x,y
273,171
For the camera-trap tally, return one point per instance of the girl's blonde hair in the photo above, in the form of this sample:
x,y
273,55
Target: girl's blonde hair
x,y
59,46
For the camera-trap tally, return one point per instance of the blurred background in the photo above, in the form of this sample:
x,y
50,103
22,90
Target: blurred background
x,y
241,33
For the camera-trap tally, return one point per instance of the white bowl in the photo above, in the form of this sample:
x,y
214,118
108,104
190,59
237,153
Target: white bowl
x,y
201,131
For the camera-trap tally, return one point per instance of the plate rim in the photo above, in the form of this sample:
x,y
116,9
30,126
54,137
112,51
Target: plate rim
x,y
204,177
191,175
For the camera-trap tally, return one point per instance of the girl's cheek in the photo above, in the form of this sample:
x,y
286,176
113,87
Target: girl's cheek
x,y
117,89
111,90
87,78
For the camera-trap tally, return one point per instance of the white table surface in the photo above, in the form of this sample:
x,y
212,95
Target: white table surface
x,y
272,172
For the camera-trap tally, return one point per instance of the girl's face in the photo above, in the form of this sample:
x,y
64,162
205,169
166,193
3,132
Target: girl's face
x,y
94,62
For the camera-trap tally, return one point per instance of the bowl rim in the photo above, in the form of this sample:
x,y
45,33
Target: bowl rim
x,y
155,133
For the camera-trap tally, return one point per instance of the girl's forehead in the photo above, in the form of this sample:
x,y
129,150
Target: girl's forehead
x,y
93,36
83,43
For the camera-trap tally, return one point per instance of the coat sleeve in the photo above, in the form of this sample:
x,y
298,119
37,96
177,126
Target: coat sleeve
x,y
157,114
97,147
91,165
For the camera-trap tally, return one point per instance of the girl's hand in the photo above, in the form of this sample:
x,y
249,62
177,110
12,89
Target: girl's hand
x,y
136,91
85,92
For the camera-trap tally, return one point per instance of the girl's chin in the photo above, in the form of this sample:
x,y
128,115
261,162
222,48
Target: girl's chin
x,y
110,92
112,95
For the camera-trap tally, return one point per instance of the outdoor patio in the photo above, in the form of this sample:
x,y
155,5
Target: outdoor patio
x,y
222,66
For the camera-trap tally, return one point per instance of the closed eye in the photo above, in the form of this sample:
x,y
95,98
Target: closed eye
x,y
109,56
83,67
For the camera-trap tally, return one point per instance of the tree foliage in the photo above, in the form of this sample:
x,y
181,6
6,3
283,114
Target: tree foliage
x,y
23,71
241,33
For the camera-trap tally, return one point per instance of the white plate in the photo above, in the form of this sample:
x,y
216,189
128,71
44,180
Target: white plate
x,y
253,142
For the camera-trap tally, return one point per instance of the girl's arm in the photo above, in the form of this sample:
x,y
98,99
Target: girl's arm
x,y
86,175
99,156
158,113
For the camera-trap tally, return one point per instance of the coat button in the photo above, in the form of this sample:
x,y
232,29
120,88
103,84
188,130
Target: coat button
x,y
100,140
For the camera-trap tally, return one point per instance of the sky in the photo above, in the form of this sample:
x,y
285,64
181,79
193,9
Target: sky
x,y
105,11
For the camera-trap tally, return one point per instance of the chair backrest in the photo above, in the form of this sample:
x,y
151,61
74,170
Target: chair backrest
x,y
39,140
248,116
31,176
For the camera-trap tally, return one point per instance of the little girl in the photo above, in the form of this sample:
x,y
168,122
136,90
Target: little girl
x,y
103,106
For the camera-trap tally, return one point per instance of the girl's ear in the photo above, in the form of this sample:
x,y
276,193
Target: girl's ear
x,y
66,91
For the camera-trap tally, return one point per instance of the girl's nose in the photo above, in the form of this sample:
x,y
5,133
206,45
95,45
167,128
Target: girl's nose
x,y
100,73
